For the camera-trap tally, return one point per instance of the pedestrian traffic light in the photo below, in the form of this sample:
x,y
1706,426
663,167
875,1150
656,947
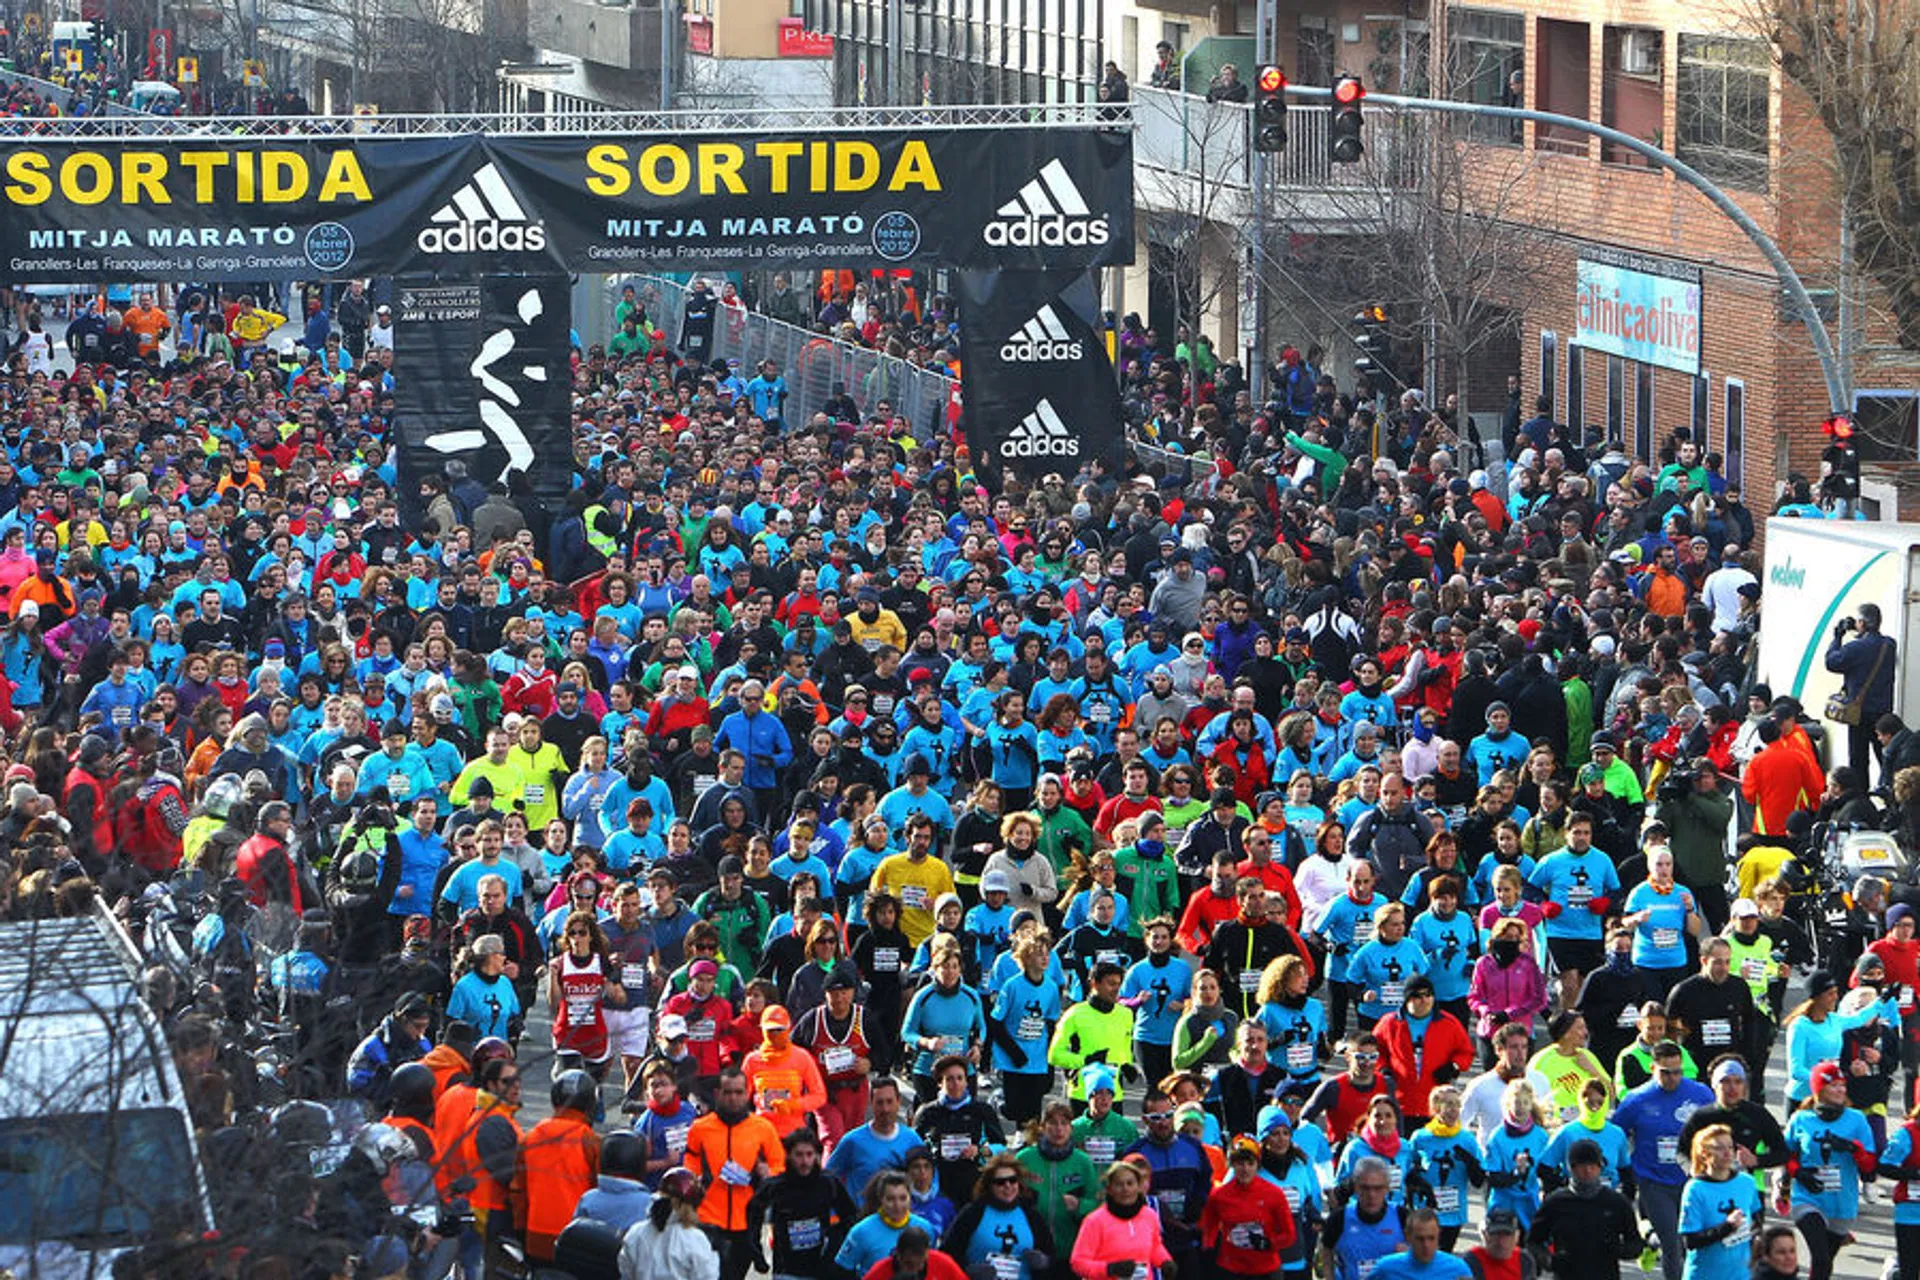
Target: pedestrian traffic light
x,y
1270,110
1344,131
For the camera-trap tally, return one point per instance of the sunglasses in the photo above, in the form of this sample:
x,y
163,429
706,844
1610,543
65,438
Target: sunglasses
x,y
1157,1117
1367,1056
1005,1182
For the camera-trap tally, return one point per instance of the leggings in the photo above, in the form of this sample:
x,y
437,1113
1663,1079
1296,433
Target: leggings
x,y
1340,995
1661,1205
1025,1094
1906,1250
1823,1244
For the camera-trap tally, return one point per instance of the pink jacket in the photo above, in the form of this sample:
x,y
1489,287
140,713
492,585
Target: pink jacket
x,y
1519,991
1105,1239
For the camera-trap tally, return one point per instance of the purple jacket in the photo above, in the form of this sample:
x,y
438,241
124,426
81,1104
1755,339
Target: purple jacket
x,y
1519,991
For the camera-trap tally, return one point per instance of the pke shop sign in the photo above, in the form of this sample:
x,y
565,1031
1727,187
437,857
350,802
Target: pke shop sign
x,y
1639,308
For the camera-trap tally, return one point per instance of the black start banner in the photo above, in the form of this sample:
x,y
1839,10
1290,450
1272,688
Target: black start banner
x,y
486,380
465,207
1037,388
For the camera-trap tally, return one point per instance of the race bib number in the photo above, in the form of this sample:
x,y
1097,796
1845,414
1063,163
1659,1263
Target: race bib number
x,y
1032,1027
914,897
1716,1031
1913,1190
536,794
399,785
633,977
1362,930
123,716
701,1030
1393,994
1666,939
804,1234
953,1146
953,1046
1629,1017
677,1140
1005,1266
883,705
1119,958
1250,980
1100,1151
886,959
1829,1175
1300,1058
1753,969
1446,1199
1247,1235
582,1011
1100,713
1395,1176
1579,896
1172,1204
1366,1267
838,1061
1667,1150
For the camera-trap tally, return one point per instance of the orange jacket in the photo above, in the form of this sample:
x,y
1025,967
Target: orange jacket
x,y
453,1116
559,1163
1666,594
447,1065
787,1086
1778,782
711,1143
408,1124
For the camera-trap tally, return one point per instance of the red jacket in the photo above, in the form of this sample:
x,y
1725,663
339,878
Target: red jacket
x,y
1414,1067
1250,1226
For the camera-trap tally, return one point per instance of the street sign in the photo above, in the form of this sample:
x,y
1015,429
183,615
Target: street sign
x,y
75,59
253,73
189,71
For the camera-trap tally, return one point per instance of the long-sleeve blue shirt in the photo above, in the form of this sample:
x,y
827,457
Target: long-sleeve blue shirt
x,y
1652,1117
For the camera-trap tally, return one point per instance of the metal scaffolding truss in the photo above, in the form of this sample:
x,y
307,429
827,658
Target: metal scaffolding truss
x,y
579,123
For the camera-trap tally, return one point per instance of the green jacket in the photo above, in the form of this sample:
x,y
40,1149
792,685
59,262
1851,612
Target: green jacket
x,y
1753,962
1204,1037
1059,829
1151,885
1332,462
1634,1067
1697,825
1085,1032
1113,1127
1579,721
1054,1180
742,924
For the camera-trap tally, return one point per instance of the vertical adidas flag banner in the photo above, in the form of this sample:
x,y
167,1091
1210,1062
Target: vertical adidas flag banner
x,y
487,379
1038,388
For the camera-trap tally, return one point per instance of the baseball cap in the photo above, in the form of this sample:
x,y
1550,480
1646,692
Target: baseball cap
x,y
1501,1221
996,882
1748,909
776,1016
672,1027
703,969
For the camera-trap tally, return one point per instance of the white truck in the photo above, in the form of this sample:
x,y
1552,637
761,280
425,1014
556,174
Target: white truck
x,y
1820,571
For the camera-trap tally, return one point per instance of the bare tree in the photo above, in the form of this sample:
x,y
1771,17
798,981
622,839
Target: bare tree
x,y
1859,64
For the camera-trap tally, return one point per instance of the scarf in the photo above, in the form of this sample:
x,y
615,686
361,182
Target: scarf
x,y
1594,1120
1128,1212
900,1225
1387,1144
1519,1129
956,1104
1441,1130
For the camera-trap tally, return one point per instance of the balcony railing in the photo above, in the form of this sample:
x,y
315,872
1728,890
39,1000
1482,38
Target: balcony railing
x,y
1184,134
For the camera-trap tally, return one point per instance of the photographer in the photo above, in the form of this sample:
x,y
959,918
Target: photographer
x,y
1866,666
1697,812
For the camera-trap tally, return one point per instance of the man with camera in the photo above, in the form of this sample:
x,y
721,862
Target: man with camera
x,y
1866,665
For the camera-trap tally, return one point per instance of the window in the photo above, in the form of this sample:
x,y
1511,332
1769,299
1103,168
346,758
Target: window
x,y
1484,64
1616,399
1313,51
1549,361
1643,412
1736,451
1576,390
1633,89
1721,108
1889,425
1562,82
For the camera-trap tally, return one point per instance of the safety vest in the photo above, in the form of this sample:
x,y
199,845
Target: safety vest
x,y
559,1163
489,1192
1752,962
604,543
421,1132
100,819
453,1114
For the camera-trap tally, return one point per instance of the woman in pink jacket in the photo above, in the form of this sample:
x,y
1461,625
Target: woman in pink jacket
x,y
1121,1232
1507,983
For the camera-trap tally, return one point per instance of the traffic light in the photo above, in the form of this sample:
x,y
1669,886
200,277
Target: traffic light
x,y
1344,131
1270,110
1375,343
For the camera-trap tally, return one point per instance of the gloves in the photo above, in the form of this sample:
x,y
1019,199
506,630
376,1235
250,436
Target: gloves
x,y
1036,1261
1808,1180
1446,1073
1016,1055
1600,906
1498,1020
1098,1055
1551,910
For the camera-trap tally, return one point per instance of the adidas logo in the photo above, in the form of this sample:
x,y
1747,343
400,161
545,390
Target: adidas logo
x,y
482,217
1040,340
1049,211
1039,434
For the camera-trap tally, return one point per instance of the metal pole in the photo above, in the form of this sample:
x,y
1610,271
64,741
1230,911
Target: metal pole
x,y
666,55
896,53
1255,343
1835,373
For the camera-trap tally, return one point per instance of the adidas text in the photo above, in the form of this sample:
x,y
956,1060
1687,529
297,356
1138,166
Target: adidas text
x,y
482,217
1040,434
483,237
1048,212
1027,351
1027,233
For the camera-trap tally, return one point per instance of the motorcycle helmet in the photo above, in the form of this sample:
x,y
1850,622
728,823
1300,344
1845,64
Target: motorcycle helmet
x,y
624,1155
223,795
360,871
679,1183
303,1124
487,1050
576,1091
413,1087
384,1146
